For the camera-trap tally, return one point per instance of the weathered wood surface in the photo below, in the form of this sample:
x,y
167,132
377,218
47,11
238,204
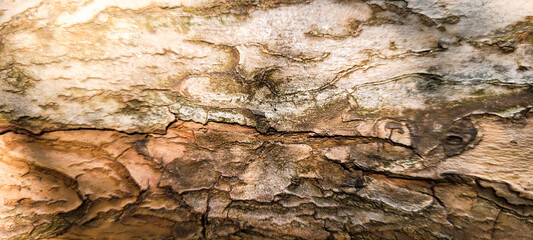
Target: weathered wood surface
x,y
274,119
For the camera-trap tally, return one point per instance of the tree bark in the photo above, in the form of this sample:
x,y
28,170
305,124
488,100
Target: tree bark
x,y
273,119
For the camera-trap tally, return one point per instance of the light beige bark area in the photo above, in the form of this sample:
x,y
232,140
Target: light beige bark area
x,y
272,119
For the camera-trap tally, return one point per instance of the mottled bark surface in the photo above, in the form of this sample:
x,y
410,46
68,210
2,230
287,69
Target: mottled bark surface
x,y
274,119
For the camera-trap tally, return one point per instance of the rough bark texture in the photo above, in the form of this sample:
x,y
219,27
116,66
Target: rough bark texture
x,y
273,119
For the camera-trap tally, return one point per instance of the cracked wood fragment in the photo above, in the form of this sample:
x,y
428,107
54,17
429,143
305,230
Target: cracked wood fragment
x,y
274,119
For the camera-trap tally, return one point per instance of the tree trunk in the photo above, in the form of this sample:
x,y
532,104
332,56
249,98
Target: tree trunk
x,y
272,119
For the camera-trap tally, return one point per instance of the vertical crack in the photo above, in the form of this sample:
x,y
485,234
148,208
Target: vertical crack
x,y
205,216
494,225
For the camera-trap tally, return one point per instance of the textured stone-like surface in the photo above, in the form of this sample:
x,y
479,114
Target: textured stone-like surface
x,y
274,119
